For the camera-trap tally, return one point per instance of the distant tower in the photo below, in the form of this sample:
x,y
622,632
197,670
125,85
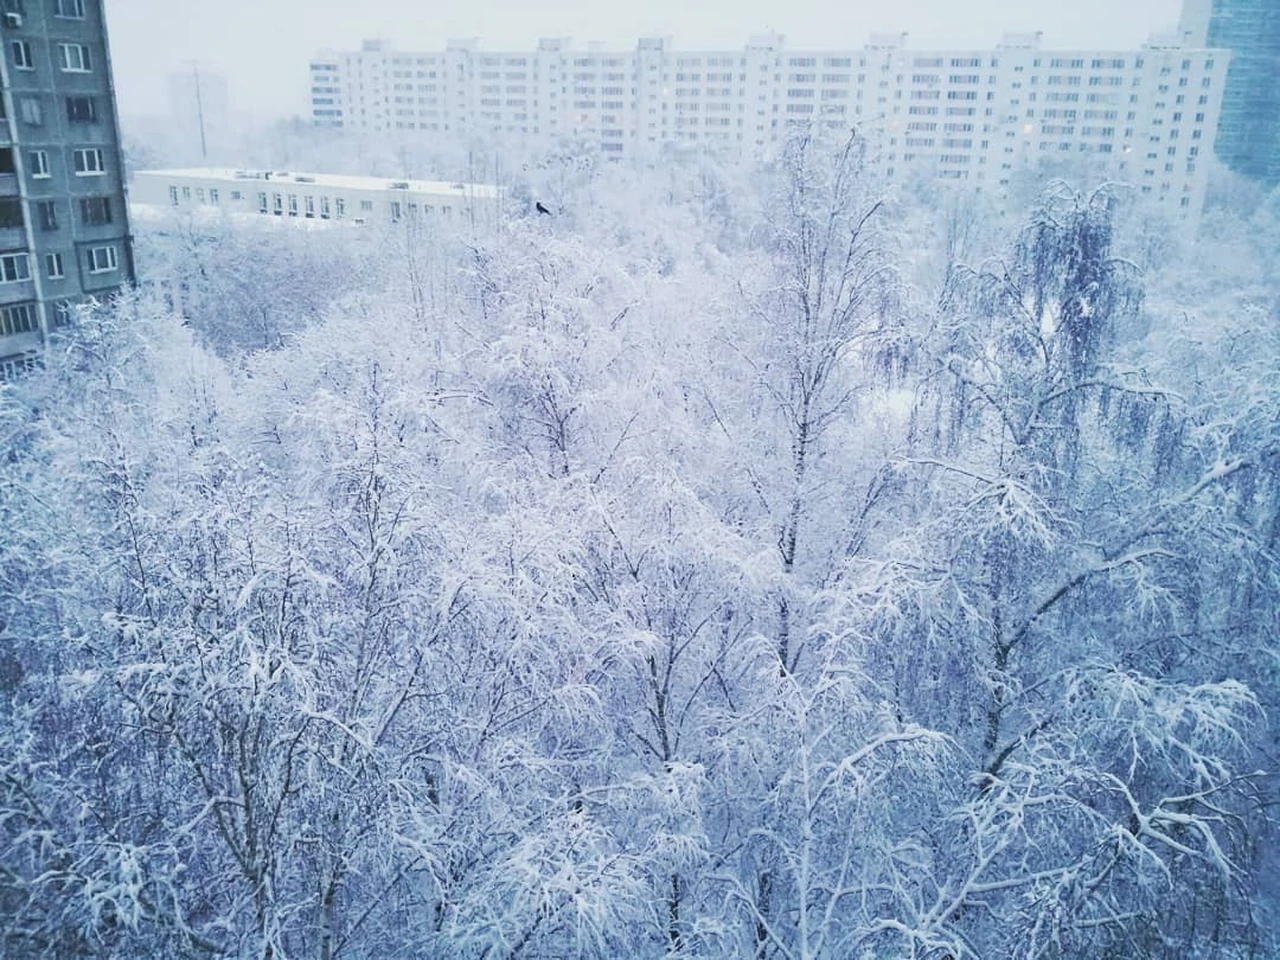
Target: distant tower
x,y
64,232
199,105
1248,140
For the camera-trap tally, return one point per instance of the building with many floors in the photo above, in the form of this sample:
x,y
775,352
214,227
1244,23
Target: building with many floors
x,y
1147,116
64,231
1248,137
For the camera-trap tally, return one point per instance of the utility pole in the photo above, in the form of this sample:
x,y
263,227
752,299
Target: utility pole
x,y
195,72
195,77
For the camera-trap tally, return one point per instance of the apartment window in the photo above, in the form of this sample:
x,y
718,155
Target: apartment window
x,y
95,211
262,203
53,266
70,9
366,205
47,214
310,207
200,194
39,164
293,204
277,201
82,110
30,111
88,162
22,58
73,58
395,209
173,196
18,318
340,208
213,196
324,208
186,193
14,267
11,213
101,259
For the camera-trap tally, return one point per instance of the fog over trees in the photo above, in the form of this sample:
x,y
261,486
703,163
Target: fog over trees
x,y
738,562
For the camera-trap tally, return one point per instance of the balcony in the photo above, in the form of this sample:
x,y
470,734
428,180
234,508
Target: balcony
x,y
19,343
17,292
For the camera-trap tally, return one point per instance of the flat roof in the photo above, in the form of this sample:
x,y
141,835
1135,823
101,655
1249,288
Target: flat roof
x,y
334,181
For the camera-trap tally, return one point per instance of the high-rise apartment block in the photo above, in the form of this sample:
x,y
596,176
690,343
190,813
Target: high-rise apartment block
x,y
1145,116
199,109
1248,139
64,235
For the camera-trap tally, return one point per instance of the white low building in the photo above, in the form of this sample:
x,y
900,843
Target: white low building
x,y
312,196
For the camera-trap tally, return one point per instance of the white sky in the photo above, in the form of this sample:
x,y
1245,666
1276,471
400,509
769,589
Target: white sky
x,y
262,46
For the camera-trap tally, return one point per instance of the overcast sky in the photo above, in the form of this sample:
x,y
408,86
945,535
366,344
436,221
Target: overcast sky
x,y
262,46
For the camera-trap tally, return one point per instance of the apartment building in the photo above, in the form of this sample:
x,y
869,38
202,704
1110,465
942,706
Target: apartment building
x,y
313,198
1146,116
1248,137
64,232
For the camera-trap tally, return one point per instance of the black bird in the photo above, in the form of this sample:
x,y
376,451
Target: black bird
x,y
541,209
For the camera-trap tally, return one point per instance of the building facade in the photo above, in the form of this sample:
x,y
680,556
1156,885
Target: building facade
x,y
1146,116
1248,136
64,232
314,198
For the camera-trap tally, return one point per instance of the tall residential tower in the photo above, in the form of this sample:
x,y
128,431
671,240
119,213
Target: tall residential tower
x,y
64,235
1248,140
1144,116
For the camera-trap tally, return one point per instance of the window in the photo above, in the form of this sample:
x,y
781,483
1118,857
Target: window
x,y
186,193
73,57
340,208
11,214
18,318
14,267
366,205
101,259
262,203
30,111
47,214
277,201
95,211
82,110
53,266
39,165
310,207
173,196
213,196
293,204
324,208
395,209
200,194
70,9
88,162
22,58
